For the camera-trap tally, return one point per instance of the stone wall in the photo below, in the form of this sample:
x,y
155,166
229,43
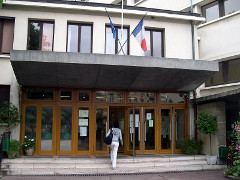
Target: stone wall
x,y
216,109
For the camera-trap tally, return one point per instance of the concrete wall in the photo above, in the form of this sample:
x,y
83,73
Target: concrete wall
x,y
177,32
219,39
216,109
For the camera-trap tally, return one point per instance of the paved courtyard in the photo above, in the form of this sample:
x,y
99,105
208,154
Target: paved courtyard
x,y
197,175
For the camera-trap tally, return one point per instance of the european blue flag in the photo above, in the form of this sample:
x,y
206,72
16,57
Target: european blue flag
x,y
112,27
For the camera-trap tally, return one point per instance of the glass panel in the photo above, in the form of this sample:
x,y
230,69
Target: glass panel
x,y
149,129
157,44
165,129
7,36
110,41
41,94
72,38
47,37
148,41
5,94
30,121
83,129
125,36
217,78
66,95
234,71
231,6
84,95
141,97
172,98
109,96
86,39
180,127
137,129
46,132
101,129
66,129
34,36
211,11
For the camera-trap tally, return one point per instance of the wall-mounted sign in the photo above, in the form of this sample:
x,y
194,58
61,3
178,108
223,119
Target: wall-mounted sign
x,y
83,122
83,131
149,116
83,113
150,123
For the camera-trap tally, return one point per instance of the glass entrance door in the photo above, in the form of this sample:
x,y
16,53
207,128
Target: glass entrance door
x,y
102,126
173,129
149,130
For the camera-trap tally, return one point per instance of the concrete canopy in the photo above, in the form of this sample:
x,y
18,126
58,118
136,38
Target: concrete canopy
x,y
100,71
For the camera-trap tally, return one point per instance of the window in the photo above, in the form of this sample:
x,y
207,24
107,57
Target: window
x,y
109,96
112,46
172,97
220,8
6,35
141,97
79,38
4,94
229,72
39,94
154,39
40,36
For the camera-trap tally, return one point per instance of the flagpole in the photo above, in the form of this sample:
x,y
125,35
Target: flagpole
x,y
122,26
131,33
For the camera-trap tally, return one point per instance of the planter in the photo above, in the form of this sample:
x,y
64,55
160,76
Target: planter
x,y
29,152
212,160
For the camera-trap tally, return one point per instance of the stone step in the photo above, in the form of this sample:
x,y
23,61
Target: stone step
x,y
108,170
78,165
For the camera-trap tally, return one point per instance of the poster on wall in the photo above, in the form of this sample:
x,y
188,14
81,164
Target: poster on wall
x,y
83,131
83,113
83,122
149,116
150,123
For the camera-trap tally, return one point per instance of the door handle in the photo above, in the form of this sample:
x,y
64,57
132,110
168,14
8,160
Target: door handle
x,y
170,131
139,131
106,128
145,130
176,130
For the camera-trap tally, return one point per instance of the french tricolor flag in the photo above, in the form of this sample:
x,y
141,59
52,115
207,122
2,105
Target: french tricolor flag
x,y
139,33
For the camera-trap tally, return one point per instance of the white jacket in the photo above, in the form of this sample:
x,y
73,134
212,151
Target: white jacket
x,y
117,135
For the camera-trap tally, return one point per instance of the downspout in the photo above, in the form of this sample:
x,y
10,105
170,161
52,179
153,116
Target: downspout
x,y
194,91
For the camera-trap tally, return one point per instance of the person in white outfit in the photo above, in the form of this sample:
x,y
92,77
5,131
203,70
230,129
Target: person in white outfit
x,y
117,135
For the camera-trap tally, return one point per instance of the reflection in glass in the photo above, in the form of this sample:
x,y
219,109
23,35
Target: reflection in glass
x,y
86,39
157,44
101,128
137,129
109,96
47,37
148,41
141,97
66,95
40,94
231,6
46,130
83,129
234,71
30,121
212,11
110,41
165,129
180,127
172,98
217,78
72,38
149,124
125,36
34,36
66,129
84,95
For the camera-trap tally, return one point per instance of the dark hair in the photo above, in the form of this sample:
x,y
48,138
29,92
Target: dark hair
x,y
116,125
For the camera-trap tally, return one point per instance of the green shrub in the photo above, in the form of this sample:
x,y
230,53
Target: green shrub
x,y
15,149
192,146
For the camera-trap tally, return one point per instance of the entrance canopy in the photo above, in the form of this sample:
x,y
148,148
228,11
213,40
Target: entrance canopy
x,y
101,71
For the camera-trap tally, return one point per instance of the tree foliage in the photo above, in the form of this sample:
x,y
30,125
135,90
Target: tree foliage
x,y
206,123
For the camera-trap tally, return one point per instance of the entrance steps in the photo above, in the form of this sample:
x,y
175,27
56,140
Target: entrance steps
x,y
102,165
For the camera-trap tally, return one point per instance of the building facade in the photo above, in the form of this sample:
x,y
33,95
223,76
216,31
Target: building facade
x,y
72,80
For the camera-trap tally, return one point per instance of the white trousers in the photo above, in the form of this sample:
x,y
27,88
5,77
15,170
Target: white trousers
x,y
114,150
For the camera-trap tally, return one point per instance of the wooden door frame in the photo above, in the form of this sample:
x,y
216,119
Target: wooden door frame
x,y
95,152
